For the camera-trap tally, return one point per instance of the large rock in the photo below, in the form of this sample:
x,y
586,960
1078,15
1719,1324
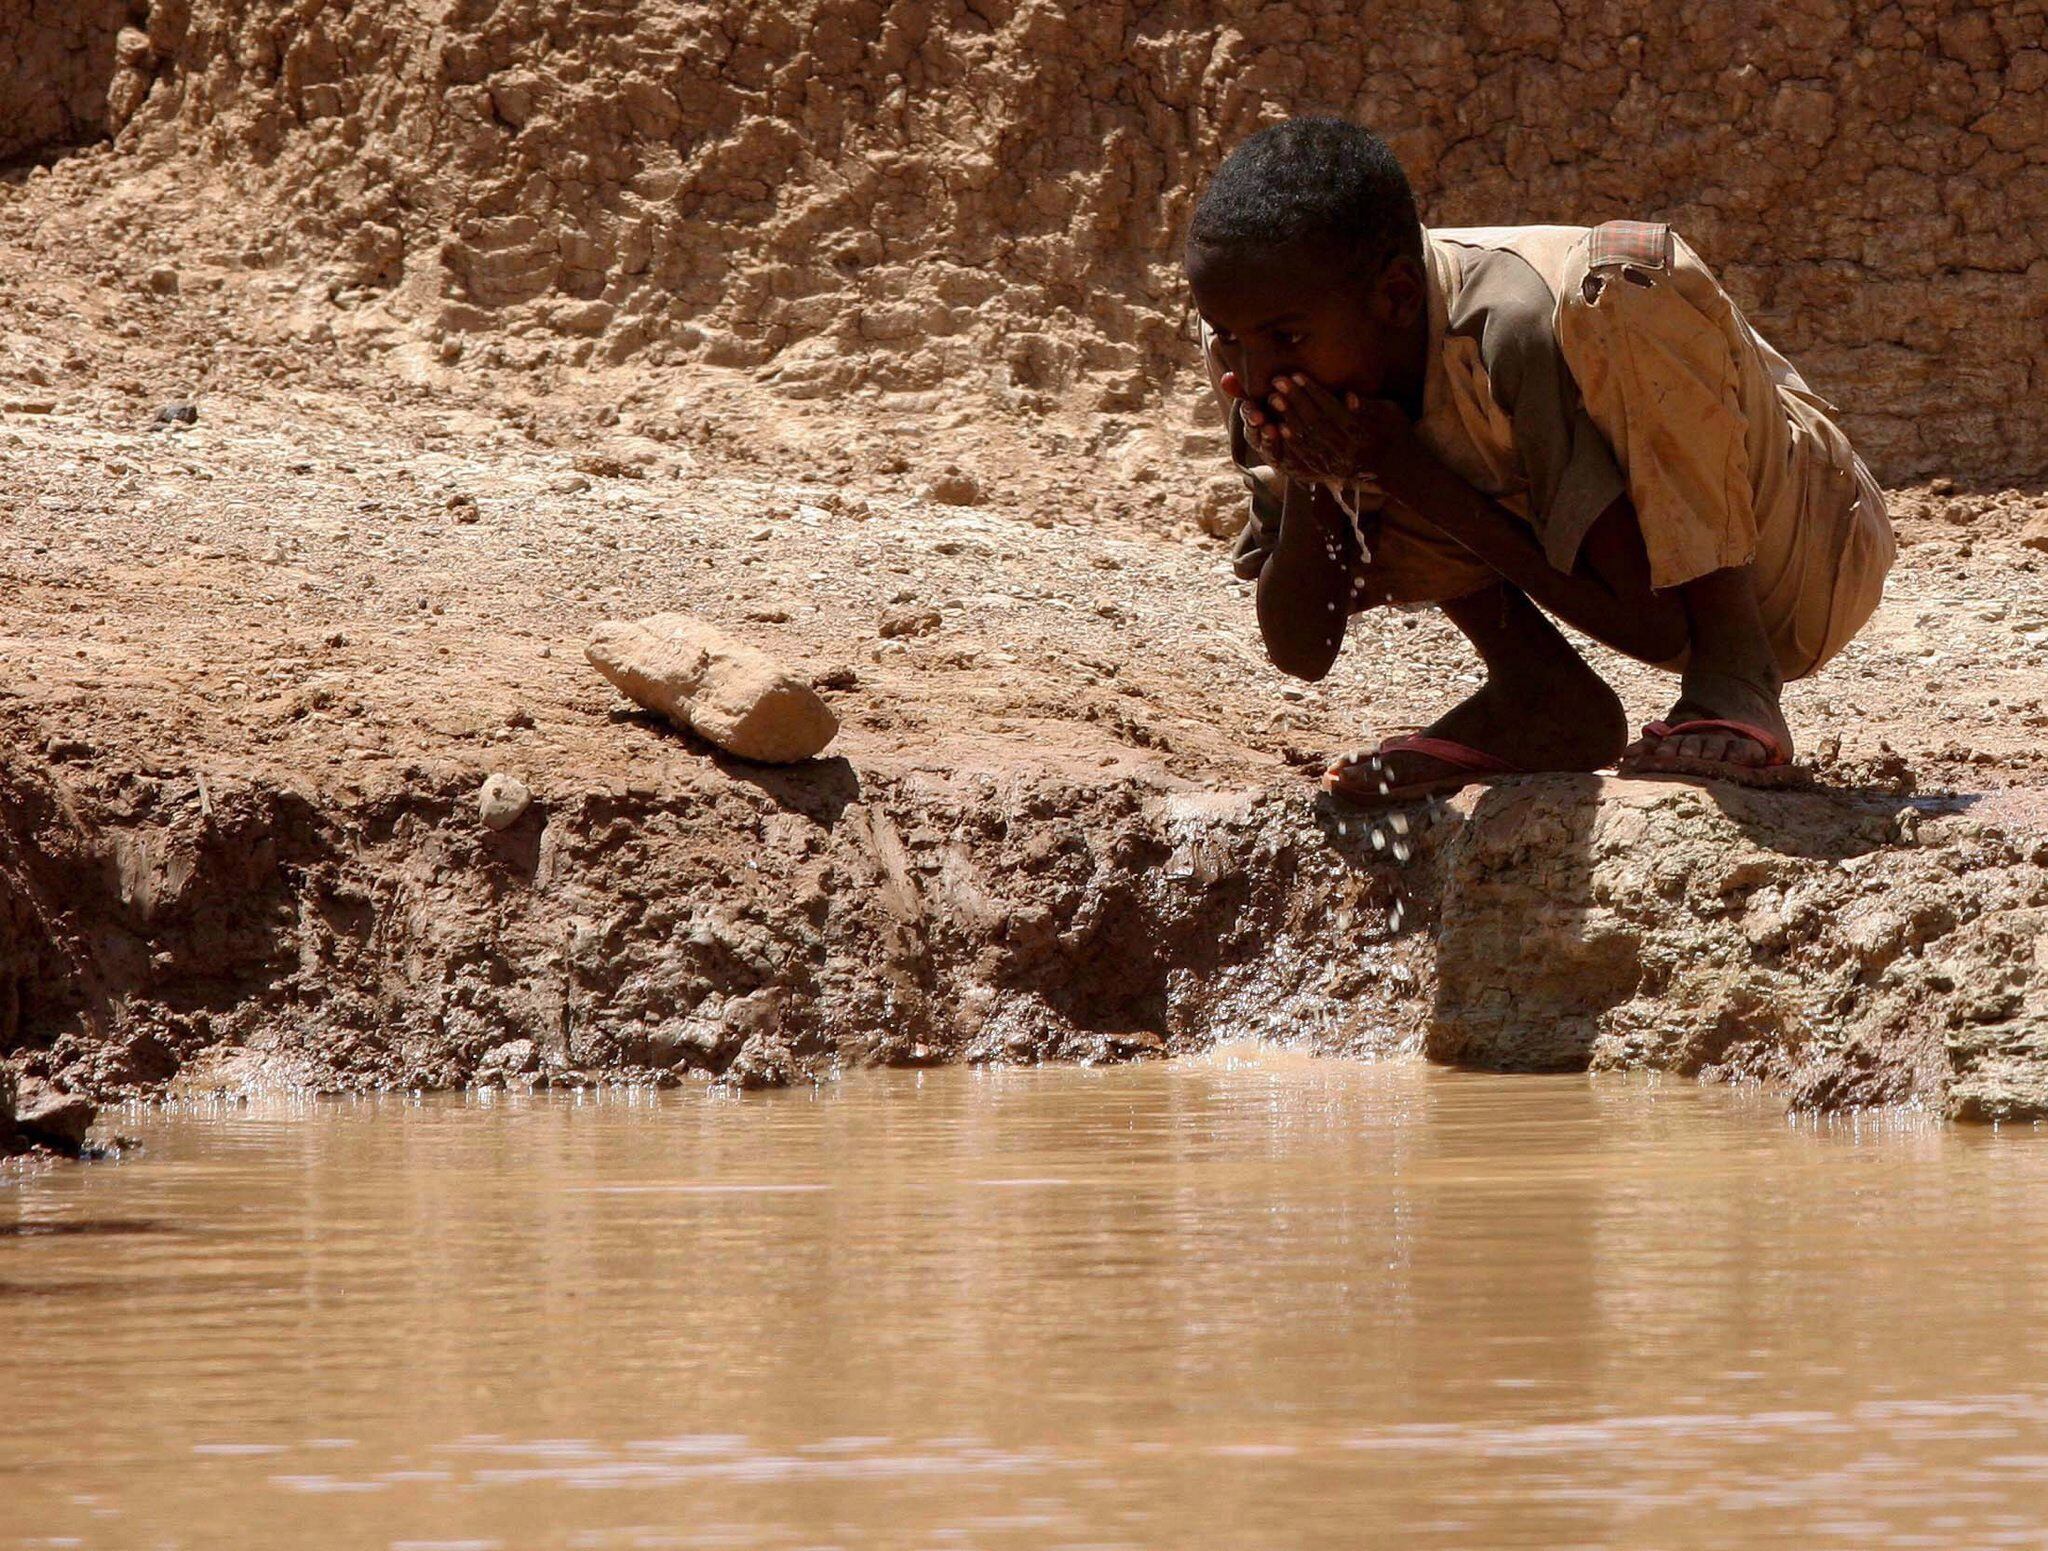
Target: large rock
x,y
701,679
49,1116
1857,948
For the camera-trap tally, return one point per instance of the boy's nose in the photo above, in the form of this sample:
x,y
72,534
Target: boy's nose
x,y
1258,372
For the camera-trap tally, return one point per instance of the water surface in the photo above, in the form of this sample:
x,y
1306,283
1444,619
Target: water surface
x,y
1253,1302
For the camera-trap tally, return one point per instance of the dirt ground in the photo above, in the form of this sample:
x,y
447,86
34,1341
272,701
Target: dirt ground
x,y
361,580
461,526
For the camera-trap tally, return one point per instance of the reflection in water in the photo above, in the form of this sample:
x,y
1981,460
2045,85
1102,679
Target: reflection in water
x,y
109,1228
1248,1302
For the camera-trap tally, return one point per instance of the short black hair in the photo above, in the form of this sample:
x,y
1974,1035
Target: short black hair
x,y
1313,181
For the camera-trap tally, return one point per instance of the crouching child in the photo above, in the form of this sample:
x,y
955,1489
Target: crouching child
x,y
1521,425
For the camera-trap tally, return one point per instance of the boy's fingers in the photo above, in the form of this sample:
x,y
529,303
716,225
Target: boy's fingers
x,y
1316,417
1319,400
1300,404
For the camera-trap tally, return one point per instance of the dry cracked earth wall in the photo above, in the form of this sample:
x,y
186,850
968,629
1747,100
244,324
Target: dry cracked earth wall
x,y
984,198
58,62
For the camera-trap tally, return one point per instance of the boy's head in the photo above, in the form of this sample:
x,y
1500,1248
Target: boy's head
x,y
1305,255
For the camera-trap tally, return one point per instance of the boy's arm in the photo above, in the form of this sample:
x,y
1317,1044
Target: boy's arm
x,y
1296,544
1594,596
1304,593
1606,594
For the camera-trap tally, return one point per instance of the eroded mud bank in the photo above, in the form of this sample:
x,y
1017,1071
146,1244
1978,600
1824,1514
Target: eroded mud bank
x,y
761,927
752,927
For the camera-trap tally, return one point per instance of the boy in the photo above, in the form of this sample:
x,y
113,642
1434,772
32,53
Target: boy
x,y
1508,420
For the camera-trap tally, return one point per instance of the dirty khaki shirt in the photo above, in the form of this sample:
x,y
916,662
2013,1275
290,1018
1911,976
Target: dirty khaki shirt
x,y
1569,366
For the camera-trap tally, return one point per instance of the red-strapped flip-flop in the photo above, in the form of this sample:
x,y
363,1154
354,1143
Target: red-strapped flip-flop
x,y
1776,770
1363,779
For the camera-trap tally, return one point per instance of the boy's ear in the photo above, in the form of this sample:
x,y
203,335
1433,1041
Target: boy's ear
x,y
1400,294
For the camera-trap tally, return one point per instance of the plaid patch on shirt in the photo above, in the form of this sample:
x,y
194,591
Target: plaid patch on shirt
x,y
1646,244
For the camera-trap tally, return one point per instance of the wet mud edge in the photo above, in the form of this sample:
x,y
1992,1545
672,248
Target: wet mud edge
x,y
757,927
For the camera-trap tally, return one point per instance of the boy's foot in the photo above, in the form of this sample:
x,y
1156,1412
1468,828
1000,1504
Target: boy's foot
x,y
1732,732
1369,778
1567,721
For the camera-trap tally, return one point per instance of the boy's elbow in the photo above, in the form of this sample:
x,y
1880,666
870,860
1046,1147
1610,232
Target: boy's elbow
x,y
1298,664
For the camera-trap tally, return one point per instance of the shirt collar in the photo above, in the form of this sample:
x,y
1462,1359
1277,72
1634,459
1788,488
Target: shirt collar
x,y
1440,269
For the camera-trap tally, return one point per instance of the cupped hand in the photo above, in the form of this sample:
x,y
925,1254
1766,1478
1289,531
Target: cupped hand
x,y
1318,434
1261,425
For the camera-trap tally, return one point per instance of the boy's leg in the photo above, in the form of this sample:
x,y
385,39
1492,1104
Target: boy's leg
x,y
1731,680
1818,577
1774,578
1541,708
1714,625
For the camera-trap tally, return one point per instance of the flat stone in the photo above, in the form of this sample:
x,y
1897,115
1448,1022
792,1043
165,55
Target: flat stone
x,y
909,622
514,1056
685,1042
764,1061
502,801
954,487
733,695
46,1114
1223,506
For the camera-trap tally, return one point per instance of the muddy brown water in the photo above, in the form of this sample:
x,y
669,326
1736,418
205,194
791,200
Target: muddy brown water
x,y
1252,1301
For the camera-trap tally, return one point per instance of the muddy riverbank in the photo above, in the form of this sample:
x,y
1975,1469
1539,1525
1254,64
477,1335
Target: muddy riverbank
x,y
725,923
286,578
255,671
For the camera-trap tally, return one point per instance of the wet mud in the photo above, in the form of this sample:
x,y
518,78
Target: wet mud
x,y
759,928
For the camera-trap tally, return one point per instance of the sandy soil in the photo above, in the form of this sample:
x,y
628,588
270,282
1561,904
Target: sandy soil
x,y
359,558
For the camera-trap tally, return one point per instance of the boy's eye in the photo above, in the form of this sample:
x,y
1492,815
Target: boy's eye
x,y
1287,339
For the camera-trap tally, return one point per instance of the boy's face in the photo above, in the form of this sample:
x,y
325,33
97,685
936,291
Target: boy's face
x,y
1299,309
